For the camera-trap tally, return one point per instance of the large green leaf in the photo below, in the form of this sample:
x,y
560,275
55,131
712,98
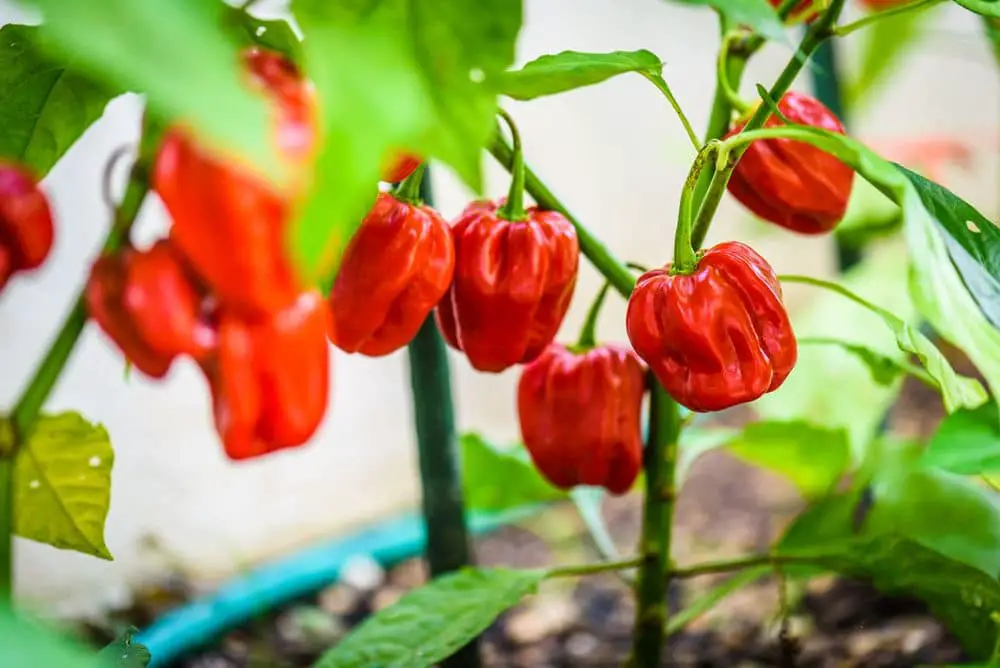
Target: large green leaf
x,y
967,442
273,34
811,457
46,105
756,14
495,478
935,284
433,622
26,643
561,72
176,53
62,484
984,7
124,652
816,391
396,75
884,44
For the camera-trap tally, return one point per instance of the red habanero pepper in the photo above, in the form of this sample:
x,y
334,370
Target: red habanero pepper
x,y
791,183
512,286
148,303
394,272
228,221
271,379
879,5
580,416
716,337
404,166
26,230
801,9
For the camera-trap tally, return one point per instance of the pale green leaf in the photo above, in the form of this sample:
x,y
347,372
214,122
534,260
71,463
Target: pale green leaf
x,y
496,478
568,70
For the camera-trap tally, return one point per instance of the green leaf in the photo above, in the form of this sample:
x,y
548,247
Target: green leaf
x,y
714,596
984,7
870,216
967,442
433,622
588,505
273,34
696,441
884,44
496,478
392,76
884,370
756,14
46,105
62,484
814,391
124,652
26,643
813,458
935,284
177,54
568,70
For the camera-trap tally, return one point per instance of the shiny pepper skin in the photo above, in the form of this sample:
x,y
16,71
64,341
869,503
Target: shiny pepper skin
x,y
270,380
791,183
148,303
512,286
395,270
228,221
26,230
717,337
580,416
403,167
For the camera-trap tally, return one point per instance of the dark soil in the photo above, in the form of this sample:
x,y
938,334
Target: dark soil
x,y
726,509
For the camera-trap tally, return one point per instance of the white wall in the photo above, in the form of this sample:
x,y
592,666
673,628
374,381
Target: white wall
x,y
617,156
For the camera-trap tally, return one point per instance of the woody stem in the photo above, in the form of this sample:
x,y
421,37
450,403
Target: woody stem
x,y
513,209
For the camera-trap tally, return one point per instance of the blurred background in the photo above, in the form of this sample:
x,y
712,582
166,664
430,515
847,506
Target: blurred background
x,y
617,157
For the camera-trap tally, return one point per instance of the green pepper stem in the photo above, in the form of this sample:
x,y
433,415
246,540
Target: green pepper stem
x,y
588,337
591,569
722,74
820,31
685,258
25,414
919,5
513,208
409,190
661,84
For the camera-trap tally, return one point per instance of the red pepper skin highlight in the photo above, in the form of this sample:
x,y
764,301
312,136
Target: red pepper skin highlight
x,y
791,183
26,229
404,165
512,286
396,269
717,337
580,416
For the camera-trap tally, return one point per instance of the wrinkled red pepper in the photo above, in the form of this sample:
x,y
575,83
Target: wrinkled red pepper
x,y
717,337
270,381
395,270
404,166
580,415
512,286
227,220
792,183
148,303
26,230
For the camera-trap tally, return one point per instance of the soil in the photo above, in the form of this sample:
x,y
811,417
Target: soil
x,y
725,509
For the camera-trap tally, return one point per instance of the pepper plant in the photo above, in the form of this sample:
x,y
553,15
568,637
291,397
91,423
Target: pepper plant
x,y
267,145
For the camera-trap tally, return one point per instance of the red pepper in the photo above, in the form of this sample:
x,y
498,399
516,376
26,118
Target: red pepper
x,y
26,229
150,306
512,286
800,9
792,183
879,5
395,270
270,381
404,166
227,220
580,416
717,337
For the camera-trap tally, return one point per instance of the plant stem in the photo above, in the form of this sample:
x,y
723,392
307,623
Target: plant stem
x,y
25,413
741,563
685,258
593,248
722,74
816,35
448,545
590,569
588,338
409,190
917,6
653,581
661,84
513,208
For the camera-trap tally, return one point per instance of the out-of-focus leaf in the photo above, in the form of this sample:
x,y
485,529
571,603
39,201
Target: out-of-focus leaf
x,y
568,70
496,478
967,442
